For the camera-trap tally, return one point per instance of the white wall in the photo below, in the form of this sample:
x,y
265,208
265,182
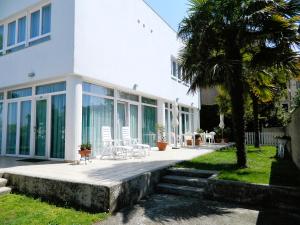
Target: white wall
x,y
47,60
111,46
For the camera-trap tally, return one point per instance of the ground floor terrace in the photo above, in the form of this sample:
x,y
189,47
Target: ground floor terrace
x,y
50,119
101,185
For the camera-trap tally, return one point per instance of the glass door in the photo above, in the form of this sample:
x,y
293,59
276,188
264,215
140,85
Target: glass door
x,y
134,121
41,127
121,118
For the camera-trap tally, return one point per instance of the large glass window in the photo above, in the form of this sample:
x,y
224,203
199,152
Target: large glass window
x,y
149,125
96,112
1,96
1,37
96,89
25,121
19,93
35,24
134,121
21,29
11,34
11,128
51,88
46,19
58,115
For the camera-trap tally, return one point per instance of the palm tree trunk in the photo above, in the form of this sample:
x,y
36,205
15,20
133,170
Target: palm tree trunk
x,y
255,121
237,91
238,112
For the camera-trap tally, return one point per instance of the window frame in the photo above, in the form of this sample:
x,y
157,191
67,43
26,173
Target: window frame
x,y
15,18
16,43
40,35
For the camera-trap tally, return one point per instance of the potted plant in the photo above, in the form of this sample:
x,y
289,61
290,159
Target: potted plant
x,y
85,150
198,136
161,143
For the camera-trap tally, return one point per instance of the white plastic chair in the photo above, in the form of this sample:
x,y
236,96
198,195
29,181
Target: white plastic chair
x,y
110,147
211,137
138,149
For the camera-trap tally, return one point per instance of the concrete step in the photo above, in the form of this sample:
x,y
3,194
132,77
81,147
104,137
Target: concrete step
x,y
5,190
3,182
180,190
186,181
190,172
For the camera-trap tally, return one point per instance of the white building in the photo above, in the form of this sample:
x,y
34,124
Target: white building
x,y
70,67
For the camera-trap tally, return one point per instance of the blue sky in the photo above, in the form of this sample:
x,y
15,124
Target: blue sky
x,y
173,11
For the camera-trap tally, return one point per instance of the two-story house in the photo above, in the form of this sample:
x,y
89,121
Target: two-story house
x,y
69,67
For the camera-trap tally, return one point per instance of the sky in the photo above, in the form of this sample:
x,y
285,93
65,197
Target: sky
x,y
173,11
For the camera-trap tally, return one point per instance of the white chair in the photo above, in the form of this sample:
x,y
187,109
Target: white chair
x,y
138,149
211,137
110,147
203,137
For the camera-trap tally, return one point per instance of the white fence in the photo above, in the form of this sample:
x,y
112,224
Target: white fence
x,y
265,138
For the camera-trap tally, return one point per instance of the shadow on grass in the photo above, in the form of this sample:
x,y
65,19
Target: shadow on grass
x,y
209,166
284,173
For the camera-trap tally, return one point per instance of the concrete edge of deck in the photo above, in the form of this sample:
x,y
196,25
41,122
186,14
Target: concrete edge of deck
x,y
89,197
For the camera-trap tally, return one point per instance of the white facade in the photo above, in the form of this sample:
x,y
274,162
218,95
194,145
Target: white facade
x,y
120,45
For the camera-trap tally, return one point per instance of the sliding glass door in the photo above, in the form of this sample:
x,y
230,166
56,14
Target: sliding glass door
x,y
149,123
25,124
134,121
11,137
58,114
41,127
121,118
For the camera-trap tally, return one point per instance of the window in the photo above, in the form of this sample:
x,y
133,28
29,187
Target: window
x,y
50,88
19,93
1,38
149,101
21,29
35,24
16,36
179,72
40,22
11,34
98,90
46,19
174,68
1,96
128,96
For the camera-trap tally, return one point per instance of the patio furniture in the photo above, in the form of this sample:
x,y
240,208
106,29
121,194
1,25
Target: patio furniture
x,y
203,137
138,149
110,147
211,137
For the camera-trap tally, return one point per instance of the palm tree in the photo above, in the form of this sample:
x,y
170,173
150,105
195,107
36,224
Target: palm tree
x,y
219,33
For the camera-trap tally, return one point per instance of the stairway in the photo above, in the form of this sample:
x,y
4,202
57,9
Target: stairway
x,y
3,189
185,182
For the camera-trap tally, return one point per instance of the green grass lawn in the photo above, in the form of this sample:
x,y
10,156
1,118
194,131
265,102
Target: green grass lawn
x,y
22,210
263,168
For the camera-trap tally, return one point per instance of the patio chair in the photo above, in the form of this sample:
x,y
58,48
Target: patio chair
x,y
110,147
138,149
211,137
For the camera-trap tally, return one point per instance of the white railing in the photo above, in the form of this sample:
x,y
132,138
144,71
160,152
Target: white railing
x,y
265,138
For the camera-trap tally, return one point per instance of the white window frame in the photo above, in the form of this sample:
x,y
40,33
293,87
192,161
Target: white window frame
x,y
40,35
27,14
16,20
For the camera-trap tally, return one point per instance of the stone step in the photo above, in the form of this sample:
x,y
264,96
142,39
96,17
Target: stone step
x,y
5,190
186,181
3,182
180,190
190,172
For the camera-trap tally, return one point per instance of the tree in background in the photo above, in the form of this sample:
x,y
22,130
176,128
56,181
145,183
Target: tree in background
x,y
218,33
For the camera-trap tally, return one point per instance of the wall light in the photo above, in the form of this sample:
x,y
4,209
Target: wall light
x,y
135,86
31,75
